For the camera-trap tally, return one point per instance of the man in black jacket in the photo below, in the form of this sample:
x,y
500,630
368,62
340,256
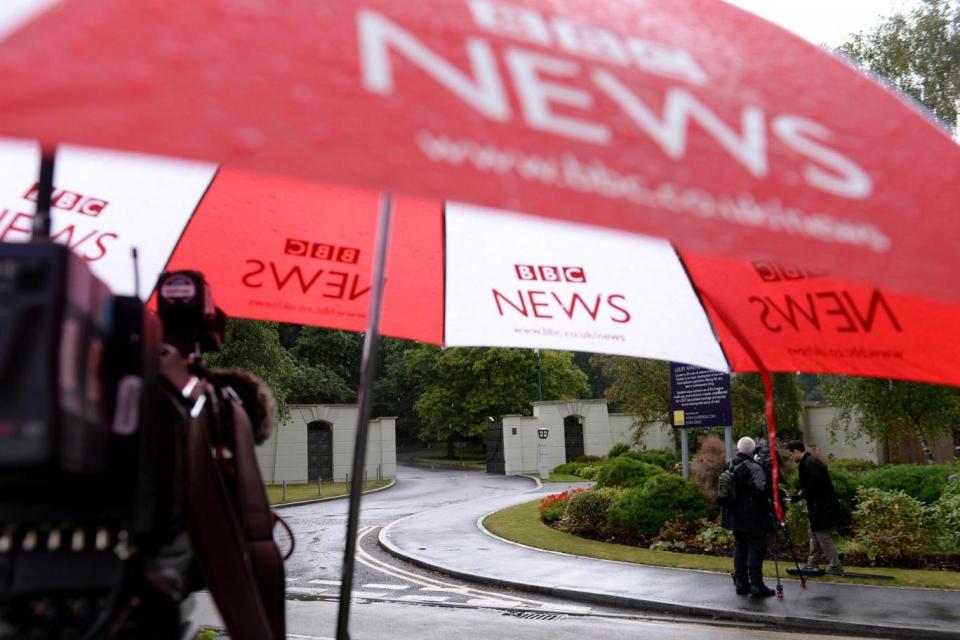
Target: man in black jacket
x,y
749,519
823,507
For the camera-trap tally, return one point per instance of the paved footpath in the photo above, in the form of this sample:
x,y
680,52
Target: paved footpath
x,y
450,540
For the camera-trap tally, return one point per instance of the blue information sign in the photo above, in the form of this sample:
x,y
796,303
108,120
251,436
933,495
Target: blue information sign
x,y
700,397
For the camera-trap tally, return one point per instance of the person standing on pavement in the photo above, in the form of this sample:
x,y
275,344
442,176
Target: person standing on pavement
x,y
823,507
748,516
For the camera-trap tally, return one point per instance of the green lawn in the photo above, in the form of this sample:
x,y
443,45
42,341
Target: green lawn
x,y
299,492
522,524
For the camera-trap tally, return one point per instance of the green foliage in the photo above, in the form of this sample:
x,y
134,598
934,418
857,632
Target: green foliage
x,y
918,53
587,511
713,537
846,486
923,482
255,346
618,450
625,472
889,410
588,459
554,506
852,465
663,458
889,524
645,509
944,522
638,387
798,524
589,472
569,468
460,387
749,405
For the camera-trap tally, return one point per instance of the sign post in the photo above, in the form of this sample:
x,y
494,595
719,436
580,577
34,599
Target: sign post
x,y
700,399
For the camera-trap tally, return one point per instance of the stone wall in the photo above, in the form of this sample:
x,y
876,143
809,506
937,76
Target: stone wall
x,y
283,457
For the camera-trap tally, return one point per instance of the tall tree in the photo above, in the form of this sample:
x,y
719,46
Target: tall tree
x,y
255,346
642,388
396,389
461,387
888,410
918,53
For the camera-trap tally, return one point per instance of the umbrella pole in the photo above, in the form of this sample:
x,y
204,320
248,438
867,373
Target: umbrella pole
x,y
42,219
768,392
367,373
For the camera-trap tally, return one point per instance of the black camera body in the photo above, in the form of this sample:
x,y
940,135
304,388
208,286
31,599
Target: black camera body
x,y
93,513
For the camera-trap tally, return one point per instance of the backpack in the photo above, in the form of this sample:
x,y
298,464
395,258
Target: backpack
x,y
727,485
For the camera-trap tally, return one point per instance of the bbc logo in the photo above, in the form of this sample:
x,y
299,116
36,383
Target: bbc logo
x,y
70,201
321,251
546,273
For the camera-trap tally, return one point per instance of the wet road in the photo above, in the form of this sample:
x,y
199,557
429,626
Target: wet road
x,y
392,599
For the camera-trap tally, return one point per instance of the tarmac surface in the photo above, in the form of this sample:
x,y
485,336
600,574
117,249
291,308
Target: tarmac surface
x,y
450,539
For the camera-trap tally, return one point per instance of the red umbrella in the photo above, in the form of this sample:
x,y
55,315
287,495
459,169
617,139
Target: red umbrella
x,y
688,120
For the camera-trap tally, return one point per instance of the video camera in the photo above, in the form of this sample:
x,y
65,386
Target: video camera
x,y
112,508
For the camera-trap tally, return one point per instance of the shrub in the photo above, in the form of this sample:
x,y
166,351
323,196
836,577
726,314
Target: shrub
x,y
588,472
707,465
852,465
944,521
924,482
618,450
644,510
846,486
569,468
625,472
553,507
889,524
663,458
587,511
798,524
587,458
713,537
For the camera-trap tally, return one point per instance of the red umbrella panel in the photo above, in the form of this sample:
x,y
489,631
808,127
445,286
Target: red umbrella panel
x,y
684,119
302,252
273,248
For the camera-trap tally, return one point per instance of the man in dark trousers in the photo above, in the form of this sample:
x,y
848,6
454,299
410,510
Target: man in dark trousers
x,y
748,516
823,508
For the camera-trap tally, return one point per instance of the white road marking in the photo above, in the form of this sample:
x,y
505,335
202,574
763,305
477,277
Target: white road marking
x,y
333,583
491,602
366,559
394,587
426,598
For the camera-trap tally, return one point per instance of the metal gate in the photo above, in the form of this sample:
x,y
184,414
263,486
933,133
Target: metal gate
x,y
495,459
573,437
319,451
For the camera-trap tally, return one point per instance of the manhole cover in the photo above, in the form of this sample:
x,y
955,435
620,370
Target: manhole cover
x,y
532,615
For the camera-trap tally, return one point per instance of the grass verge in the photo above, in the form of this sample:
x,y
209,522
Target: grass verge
x,y
522,524
308,491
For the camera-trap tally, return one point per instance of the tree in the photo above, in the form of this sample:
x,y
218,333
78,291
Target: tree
x,y
461,387
888,410
750,405
255,346
642,388
639,387
919,54
396,389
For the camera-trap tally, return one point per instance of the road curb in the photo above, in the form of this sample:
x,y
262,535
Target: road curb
x,y
346,495
786,622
